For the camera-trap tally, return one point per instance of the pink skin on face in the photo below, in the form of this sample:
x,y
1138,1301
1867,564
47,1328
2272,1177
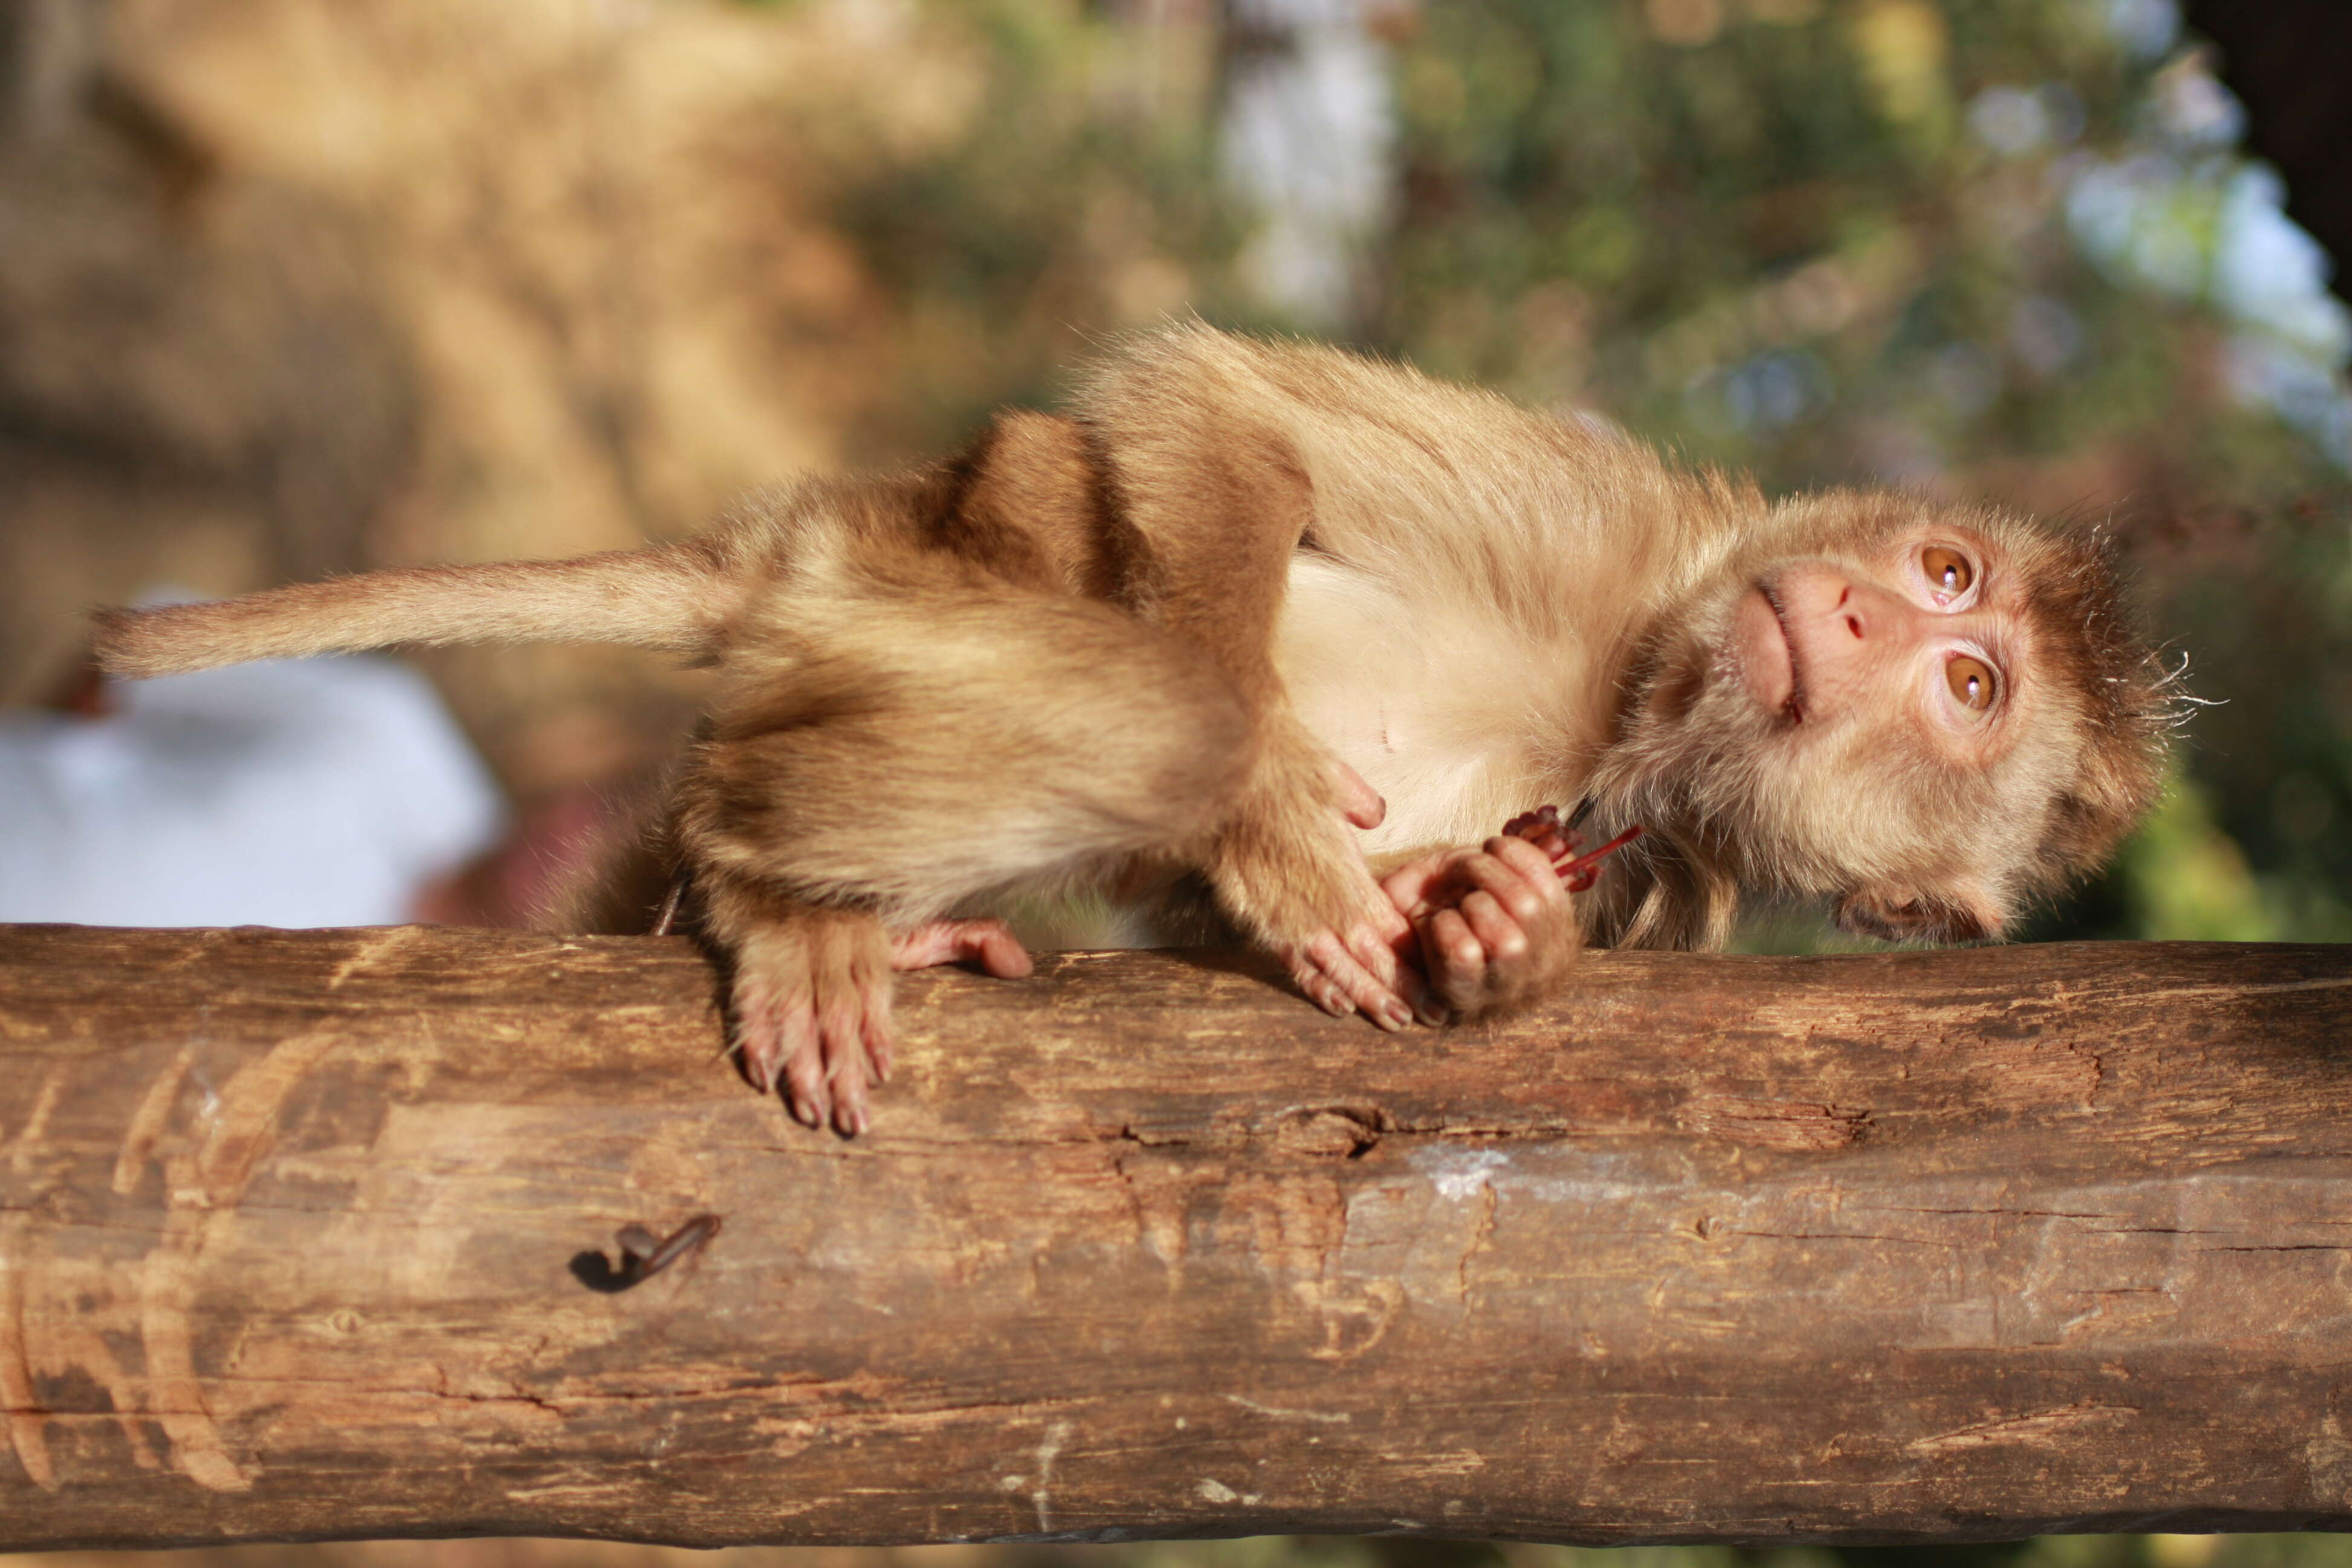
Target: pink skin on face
x,y
1816,642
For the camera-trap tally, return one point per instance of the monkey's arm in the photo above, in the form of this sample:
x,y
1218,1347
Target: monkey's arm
x,y
1213,499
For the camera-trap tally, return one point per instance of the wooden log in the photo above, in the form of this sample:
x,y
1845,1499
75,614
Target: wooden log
x,y
311,1234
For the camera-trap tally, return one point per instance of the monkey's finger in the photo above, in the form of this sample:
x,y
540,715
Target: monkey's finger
x,y
1418,886
845,1080
1359,802
873,1028
755,1041
1426,1004
1457,959
1374,947
1528,904
881,1053
1388,923
1501,938
1001,954
1367,967
759,1062
1535,868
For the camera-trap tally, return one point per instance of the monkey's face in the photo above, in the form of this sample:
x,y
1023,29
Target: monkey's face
x,y
1819,644
1859,706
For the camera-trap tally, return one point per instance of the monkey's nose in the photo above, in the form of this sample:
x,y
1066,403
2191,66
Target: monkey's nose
x,y
1827,600
1850,614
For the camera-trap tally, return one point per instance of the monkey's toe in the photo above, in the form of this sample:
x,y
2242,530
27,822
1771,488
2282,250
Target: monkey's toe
x,y
1341,977
811,1012
989,942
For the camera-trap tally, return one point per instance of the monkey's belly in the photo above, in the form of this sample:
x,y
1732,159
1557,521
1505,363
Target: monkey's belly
x,y
1440,715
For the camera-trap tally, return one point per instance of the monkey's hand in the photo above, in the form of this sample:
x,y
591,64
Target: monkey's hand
x,y
1286,868
1493,925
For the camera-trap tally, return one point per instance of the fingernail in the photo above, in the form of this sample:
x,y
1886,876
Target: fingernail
x,y
1396,1013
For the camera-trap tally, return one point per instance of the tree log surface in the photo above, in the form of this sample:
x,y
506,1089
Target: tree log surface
x,y
301,1231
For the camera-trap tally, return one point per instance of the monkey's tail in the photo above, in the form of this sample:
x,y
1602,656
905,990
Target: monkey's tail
x,y
672,597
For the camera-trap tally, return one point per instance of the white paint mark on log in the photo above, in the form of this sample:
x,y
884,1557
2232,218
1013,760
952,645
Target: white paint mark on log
x,y
1460,1173
89,1349
167,1290
2330,1459
1211,1490
367,950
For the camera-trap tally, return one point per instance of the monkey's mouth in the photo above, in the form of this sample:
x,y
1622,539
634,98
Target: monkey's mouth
x,y
1766,653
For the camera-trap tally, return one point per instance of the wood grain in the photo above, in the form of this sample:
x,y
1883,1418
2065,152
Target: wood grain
x,y
312,1235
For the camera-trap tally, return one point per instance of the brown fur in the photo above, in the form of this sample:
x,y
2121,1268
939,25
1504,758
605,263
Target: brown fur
x,y
1102,650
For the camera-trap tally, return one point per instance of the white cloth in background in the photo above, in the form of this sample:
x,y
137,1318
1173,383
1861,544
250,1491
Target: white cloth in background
x,y
318,792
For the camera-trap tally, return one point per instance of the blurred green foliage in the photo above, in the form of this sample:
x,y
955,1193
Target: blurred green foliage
x,y
1825,241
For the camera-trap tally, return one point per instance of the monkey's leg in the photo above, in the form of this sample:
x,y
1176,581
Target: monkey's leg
x,y
881,756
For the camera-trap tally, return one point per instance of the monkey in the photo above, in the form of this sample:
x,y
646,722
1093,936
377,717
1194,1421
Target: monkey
x,y
1264,637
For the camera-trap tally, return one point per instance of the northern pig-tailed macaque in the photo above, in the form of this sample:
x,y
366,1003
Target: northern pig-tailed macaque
x,y
1271,639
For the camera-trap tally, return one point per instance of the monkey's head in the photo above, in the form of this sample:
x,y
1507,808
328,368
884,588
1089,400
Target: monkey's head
x,y
1934,715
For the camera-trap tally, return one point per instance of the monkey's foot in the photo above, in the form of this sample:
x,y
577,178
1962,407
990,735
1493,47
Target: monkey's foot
x,y
812,1001
1358,970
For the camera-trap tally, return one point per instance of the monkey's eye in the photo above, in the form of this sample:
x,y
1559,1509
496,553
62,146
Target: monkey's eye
x,y
1971,681
1947,570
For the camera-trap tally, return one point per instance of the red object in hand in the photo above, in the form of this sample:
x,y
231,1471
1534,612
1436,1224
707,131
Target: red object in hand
x,y
1543,828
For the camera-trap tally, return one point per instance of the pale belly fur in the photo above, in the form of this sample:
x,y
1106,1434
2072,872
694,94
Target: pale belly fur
x,y
1455,720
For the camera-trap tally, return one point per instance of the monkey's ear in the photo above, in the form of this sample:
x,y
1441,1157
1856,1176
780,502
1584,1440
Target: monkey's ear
x,y
1906,914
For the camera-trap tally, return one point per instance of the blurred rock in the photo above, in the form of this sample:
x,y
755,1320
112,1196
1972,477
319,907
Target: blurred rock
x,y
289,286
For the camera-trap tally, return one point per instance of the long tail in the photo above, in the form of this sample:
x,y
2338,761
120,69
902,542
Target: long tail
x,y
674,597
